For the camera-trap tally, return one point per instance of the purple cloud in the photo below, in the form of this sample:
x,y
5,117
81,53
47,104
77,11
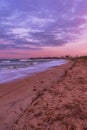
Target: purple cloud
x,y
51,23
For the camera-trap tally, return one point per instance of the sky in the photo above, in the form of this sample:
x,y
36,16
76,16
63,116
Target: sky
x,y
42,28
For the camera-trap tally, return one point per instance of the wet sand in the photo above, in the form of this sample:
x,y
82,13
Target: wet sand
x,y
52,100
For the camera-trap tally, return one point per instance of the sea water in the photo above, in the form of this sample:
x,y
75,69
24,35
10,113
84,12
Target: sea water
x,y
11,69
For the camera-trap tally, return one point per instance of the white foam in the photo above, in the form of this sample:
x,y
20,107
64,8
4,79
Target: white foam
x,y
15,73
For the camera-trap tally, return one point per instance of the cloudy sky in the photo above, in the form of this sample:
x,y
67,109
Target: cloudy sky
x,y
32,28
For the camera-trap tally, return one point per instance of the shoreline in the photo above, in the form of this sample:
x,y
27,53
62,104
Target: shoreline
x,y
34,74
17,95
10,75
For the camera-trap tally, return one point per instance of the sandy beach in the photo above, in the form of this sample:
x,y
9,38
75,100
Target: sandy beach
x,y
52,100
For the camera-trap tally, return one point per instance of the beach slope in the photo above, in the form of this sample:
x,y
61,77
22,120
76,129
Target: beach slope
x,y
58,101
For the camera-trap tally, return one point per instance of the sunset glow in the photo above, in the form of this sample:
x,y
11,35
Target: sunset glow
x,y
40,28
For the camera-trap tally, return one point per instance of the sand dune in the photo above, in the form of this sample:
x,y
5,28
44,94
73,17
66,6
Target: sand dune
x,y
51,100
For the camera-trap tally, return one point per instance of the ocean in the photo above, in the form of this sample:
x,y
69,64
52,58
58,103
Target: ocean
x,y
11,69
